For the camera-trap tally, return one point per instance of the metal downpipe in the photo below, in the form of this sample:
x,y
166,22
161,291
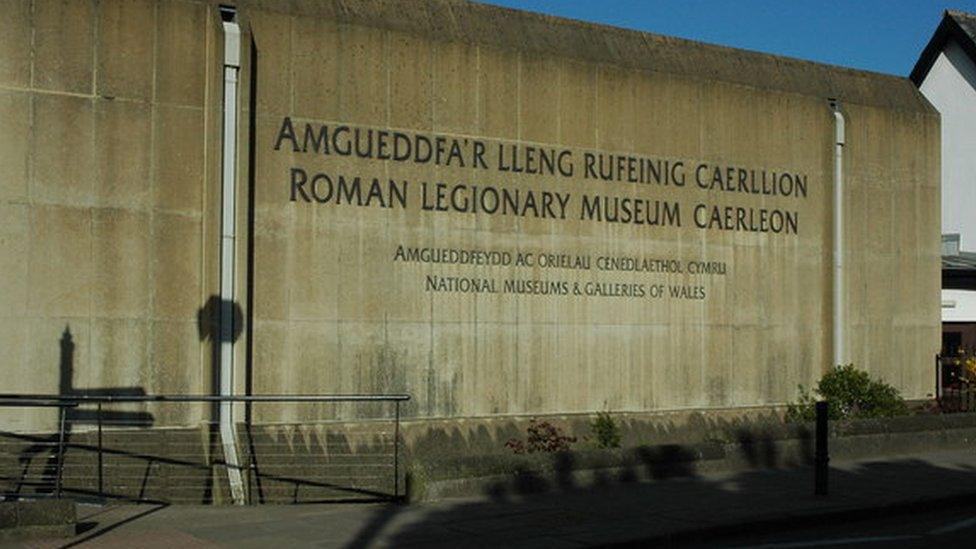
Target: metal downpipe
x,y
839,301
228,191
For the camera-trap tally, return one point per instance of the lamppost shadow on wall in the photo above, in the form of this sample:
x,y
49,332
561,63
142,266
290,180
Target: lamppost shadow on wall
x,y
211,330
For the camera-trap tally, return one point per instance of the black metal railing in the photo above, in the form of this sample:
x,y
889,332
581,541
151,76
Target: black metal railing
x,y
954,391
111,447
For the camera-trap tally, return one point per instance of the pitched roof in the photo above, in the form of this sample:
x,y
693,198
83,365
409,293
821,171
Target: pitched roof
x,y
958,26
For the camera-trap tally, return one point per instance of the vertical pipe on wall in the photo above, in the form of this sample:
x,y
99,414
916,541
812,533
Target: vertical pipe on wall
x,y
228,191
840,351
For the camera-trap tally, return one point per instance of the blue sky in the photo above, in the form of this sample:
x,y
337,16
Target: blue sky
x,y
877,35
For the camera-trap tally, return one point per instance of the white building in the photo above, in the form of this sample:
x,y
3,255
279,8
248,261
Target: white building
x,y
946,74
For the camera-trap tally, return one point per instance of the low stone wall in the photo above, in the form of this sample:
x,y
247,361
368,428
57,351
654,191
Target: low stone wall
x,y
328,461
27,519
699,446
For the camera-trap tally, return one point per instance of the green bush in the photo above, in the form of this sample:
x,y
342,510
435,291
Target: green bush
x,y
850,393
605,430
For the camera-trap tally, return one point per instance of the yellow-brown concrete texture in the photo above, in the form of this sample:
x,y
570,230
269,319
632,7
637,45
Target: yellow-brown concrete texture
x,y
109,114
341,305
109,210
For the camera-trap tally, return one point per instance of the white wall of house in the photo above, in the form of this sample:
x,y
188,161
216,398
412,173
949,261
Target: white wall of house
x,y
951,88
958,305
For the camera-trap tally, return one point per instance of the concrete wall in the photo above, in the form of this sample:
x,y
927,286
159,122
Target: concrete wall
x,y
107,186
334,304
110,191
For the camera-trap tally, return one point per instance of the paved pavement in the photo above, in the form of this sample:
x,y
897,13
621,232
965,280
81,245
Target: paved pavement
x,y
675,512
938,527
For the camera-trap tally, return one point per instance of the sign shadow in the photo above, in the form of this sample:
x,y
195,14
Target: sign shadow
x,y
53,447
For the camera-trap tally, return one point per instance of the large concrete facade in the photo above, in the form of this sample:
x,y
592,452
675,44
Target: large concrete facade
x,y
583,291
108,183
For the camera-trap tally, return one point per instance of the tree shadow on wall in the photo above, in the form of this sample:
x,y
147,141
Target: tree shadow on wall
x,y
53,447
639,504
635,471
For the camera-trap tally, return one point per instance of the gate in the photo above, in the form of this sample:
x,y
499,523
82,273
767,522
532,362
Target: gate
x,y
954,390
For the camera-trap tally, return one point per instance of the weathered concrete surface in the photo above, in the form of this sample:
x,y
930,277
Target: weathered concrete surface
x,y
39,518
476,24
342,461
332,302
282,464
109,197
653,512
440,467
158,465
109,124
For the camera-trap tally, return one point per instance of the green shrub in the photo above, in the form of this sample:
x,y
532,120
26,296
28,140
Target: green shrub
x,y
804,408
605,430
850,393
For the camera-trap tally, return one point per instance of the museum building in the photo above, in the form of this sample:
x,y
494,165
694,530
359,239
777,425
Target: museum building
x,y
496,212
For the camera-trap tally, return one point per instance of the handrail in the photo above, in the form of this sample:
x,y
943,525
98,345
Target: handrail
x,y
35,403
14,397
72,401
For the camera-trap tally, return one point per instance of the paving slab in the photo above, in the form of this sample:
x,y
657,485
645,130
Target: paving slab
x,y
580,516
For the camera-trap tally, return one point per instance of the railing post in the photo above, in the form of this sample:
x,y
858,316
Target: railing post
x,y
250,454
396,452
821,458
98,416
65,403
959,396
60,460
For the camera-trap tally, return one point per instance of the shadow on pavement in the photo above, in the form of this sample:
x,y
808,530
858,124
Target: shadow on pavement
x,y
87,526
664,495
